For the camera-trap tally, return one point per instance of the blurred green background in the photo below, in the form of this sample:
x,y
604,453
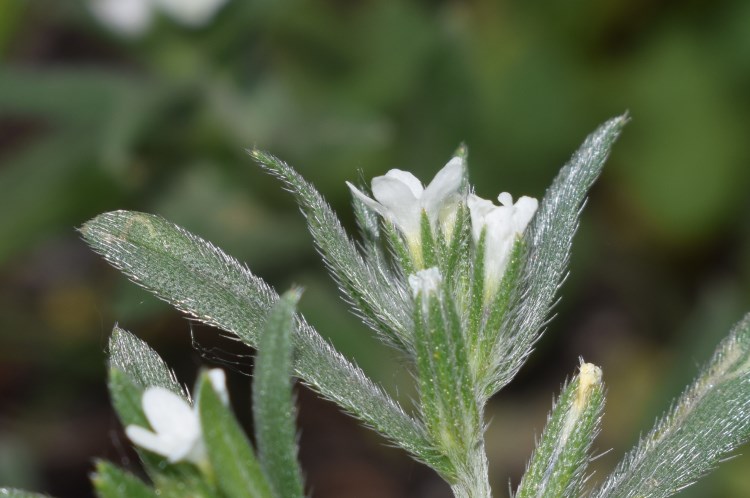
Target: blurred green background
x,y
91,120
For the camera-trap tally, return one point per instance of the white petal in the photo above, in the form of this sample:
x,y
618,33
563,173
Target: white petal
x,y
407,179
219,383
168,413
425,281
127,17
146,439
372,204
194,13
402,207
505,199
523,212
443,187
478,209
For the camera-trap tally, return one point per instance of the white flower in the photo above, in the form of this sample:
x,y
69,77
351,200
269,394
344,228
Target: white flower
x,y
176,425
133,17
128,17
503,224
400,198
193,13
425,283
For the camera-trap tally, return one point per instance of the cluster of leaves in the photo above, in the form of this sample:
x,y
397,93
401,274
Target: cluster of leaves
x,y
461,349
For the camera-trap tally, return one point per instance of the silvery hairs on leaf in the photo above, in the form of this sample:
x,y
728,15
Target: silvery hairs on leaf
x,y
201,280
379,299
549,238
710,419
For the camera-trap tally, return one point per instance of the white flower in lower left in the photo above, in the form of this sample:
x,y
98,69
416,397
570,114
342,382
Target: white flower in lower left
x,y
176,425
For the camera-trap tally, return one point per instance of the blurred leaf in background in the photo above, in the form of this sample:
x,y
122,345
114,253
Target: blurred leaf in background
x,y
92,121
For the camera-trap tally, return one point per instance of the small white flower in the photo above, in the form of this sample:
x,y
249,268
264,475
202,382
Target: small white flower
x,y
193,13
133,17
176,425
425,282
400,198
503,224
127,17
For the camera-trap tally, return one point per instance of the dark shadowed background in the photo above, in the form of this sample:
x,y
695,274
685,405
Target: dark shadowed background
x,y
92,121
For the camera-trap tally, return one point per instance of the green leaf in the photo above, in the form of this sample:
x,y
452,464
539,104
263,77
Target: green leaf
x,y
710,419
204,282
237,471
143,366
549,238
558,465
366,288
447,393
111,482
17,493
134,366
273,405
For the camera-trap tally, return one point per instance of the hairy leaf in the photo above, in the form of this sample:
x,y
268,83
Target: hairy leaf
x,y
112,482
202,281
273,405
558,465
709,420
549,238
238,473
374,297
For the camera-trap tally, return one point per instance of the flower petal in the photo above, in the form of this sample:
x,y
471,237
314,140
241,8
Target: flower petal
x,y
402,206
146,439
478,210
523,211
168,413
446,184
372,204
219,382
407,179
425,281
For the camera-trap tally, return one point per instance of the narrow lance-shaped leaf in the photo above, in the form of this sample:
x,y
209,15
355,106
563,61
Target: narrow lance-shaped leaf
x,y
237,471
273,405
141,363
558,466
549,239
371,294
112,482
201,280
709,420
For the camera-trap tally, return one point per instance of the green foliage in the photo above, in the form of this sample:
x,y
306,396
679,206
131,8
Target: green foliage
x,y
236,470
273,407
204,282
548,244
464,338
112,482
558,465
701,429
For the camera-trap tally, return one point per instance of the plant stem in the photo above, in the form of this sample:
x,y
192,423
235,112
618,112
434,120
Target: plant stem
x,y
473,479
